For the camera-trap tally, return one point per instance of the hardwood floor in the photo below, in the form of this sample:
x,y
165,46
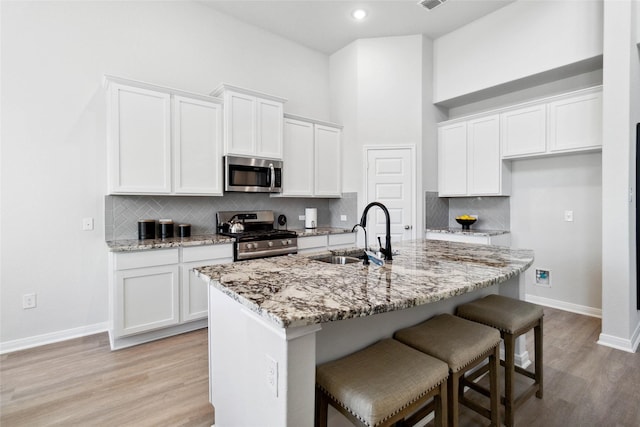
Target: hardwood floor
x,y
82,383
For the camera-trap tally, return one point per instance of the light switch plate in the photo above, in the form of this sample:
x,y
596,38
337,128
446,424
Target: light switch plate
x,y
87,224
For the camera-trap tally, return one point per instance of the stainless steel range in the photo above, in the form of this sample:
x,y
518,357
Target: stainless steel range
x,y
254,234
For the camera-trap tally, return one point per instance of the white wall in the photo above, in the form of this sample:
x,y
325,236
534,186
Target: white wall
x,y
377,92
621,112
517,41
54,55
542,189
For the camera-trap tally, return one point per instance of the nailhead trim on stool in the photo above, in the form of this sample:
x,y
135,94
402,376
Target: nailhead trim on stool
x,y
381,384
513,318
463,345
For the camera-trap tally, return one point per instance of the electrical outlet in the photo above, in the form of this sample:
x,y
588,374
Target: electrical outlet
x,y
87,224
272,374
568,216
343,218
28,301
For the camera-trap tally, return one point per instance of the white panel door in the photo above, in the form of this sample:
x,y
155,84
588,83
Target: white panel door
x,y
328,168
390,181
139,141
240,123
523,131
197,144
483,156
269,118
298,158
452,160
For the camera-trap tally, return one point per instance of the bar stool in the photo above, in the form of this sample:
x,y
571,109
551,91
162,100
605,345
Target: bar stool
x,y
382,384
463,345
512,318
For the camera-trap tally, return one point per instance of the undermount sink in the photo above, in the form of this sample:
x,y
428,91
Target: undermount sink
x,y
335,259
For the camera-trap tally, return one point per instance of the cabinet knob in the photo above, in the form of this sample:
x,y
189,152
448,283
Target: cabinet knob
x,y
408,227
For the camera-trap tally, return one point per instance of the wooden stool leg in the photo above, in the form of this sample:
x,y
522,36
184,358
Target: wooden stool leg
x,y
441,407
494,366
322,408
452,396
538,358
509,372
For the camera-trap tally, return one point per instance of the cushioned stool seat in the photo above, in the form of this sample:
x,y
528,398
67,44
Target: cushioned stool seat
x,y
463,345
513,318
381,384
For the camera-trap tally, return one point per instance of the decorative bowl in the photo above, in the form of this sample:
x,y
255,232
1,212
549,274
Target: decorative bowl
x,y
465,222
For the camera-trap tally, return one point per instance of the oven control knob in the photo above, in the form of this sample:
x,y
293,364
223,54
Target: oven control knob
x,y
288,242
270,244
284,242
250,245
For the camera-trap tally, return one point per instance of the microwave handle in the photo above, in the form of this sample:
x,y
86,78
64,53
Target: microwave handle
x,y
273,176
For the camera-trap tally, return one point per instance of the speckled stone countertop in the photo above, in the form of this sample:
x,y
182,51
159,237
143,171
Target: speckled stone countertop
x,y
305,232
471,232
174,242
132,245
296,290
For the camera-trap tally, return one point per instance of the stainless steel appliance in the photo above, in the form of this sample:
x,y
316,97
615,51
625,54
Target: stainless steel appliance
x,y
258,238
252,175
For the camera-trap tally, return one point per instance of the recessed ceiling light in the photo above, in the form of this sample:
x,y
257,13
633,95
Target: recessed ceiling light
x,y
359,14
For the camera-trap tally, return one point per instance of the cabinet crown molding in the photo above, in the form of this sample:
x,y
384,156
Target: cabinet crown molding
x,y
227,87
530,103
110,79
310,120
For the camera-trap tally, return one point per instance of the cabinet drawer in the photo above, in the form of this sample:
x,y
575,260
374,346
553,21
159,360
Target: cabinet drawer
x,y
312,242
198,253
124,261
342,239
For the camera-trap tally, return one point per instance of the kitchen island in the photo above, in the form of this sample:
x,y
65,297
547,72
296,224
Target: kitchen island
x,y
271,321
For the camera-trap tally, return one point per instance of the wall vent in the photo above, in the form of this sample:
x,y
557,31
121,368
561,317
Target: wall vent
x,y
430,4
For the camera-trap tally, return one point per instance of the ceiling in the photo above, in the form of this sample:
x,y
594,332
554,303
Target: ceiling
x,y
327,26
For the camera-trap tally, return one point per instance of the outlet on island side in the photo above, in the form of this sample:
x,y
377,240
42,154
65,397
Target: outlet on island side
x,y
272,374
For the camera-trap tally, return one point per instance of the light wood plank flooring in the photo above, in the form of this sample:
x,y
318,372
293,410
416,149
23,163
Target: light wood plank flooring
x,y
164,383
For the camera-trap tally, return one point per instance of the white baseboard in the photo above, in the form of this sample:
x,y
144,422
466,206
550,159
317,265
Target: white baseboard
x,y
566,306
629,345
53,337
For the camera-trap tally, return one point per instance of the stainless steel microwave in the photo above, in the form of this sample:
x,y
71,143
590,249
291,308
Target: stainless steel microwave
x,y
252,175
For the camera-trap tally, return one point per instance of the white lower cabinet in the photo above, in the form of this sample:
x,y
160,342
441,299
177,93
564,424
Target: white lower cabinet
x,y
482,239
155,293
323,242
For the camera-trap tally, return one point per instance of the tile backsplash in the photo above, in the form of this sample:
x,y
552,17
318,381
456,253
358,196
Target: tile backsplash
x,y
123,212
493,212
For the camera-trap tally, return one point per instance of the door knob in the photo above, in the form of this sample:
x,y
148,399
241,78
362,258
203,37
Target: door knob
x,y
408,227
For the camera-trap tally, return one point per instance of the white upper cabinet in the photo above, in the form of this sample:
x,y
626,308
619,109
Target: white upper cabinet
x,y
162,140
561,124
469,161
487,174
523,131
311,161
298,158
253,122
197,127
575,122
139,135
328,165
452,159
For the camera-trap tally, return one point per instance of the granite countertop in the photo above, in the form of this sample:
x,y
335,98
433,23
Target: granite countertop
x,y
471,232
132,245
319,231
296,290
